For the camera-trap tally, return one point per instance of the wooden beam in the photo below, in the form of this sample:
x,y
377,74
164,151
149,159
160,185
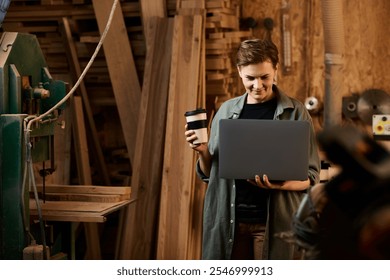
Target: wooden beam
x,y
84,173
194,251
62,146
138,242
76,73
177,188
151,8
122,70
79,137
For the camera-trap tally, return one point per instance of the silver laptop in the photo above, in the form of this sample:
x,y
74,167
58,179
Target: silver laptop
x,y
277,148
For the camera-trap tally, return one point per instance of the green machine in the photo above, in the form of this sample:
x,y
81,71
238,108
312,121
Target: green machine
x,y
27,90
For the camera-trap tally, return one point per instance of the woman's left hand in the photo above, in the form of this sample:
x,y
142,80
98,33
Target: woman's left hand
x,y
265,183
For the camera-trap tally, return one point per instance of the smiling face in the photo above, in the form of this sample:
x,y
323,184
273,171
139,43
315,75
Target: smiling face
x,y
258,80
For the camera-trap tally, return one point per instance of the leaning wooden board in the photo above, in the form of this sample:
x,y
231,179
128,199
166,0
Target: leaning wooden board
x,y
175,219
138,242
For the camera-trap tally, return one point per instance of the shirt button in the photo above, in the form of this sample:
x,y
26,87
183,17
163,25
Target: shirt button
x,y
230,240
232,205
231,221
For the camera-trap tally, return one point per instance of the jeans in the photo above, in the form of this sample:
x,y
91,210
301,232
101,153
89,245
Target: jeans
x,y
248,241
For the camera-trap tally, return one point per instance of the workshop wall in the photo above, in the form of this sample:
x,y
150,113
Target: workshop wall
x,y
366,27
366,50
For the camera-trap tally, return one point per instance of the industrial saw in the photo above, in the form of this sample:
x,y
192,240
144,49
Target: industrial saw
x,y
27,90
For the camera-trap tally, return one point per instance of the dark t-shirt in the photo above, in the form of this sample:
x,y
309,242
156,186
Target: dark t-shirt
x,y
251,201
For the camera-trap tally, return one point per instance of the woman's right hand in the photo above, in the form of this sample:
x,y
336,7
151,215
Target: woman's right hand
x,y
191,137
202,150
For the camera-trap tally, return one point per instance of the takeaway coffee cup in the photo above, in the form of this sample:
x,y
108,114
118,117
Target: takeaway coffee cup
x,y
197,121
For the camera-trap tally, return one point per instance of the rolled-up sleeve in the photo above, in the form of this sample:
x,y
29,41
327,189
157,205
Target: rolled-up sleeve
x,y
200,173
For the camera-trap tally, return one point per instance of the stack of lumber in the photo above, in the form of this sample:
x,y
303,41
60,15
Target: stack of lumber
x,y
223,36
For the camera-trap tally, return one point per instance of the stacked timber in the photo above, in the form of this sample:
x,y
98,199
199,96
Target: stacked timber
x,y
223,36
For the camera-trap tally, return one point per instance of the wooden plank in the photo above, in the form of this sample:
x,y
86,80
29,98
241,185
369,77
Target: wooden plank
x,y
151,8
122,70
74,206
84,173
70,211
218,63
85,193
79,137
210,4
201,102
223,21
87,189
74,217
192,7
29,29
84,197
36,13
196,228
194,251
230,34
76,72
137,242
62,145
228,11
194,238
175,220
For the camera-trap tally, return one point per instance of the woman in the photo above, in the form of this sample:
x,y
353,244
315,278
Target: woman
x,y
241,217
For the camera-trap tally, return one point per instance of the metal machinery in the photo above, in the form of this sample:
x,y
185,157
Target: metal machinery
x,y
349,216
27,90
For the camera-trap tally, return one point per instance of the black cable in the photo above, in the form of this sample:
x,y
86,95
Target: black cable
x,y
31,177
